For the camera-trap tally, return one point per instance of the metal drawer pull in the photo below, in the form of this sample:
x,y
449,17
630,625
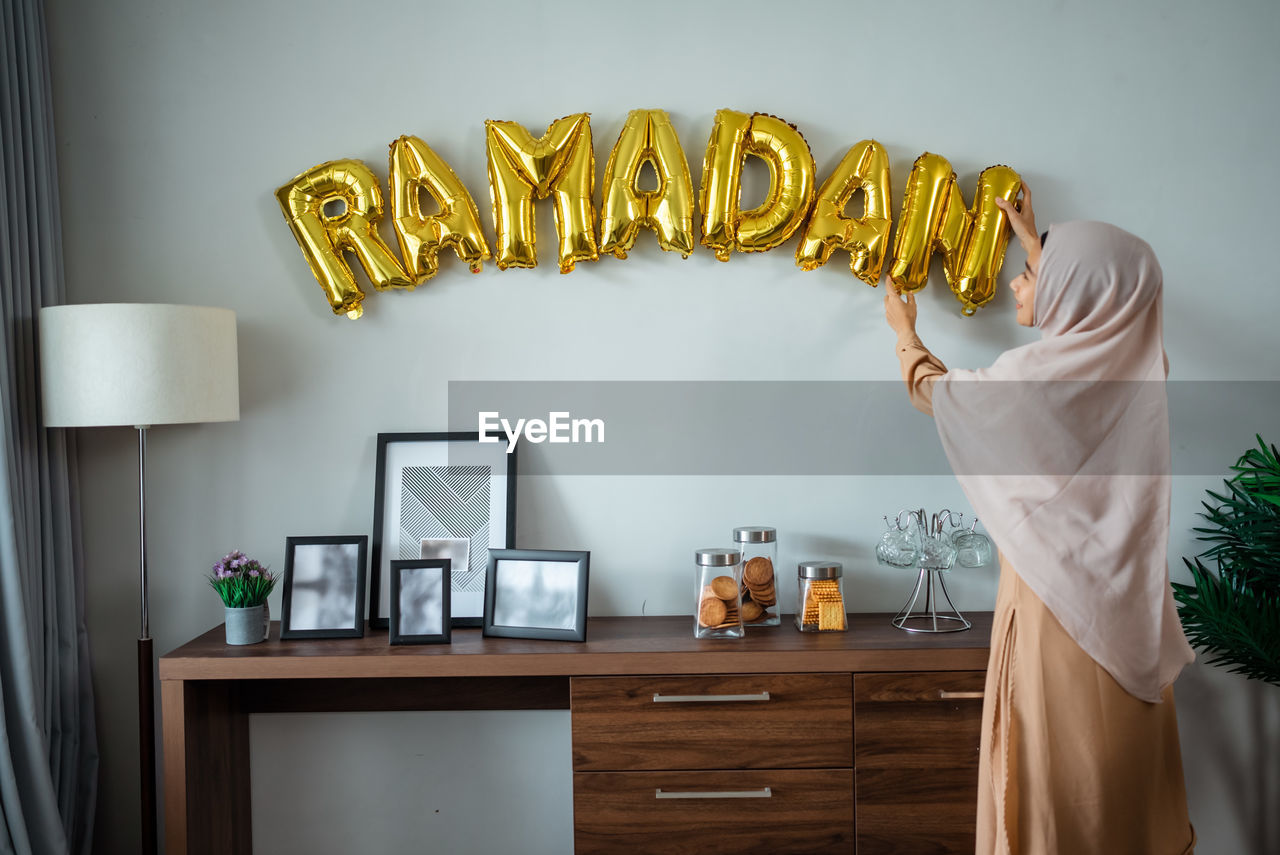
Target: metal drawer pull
x,y
959,696
706,699
764,793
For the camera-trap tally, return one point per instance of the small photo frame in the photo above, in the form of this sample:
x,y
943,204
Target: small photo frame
x,y
536,593
420,601
441,495
324,587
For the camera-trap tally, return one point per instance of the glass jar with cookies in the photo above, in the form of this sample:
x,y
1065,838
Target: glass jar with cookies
x,y
820,607
718,609
759,591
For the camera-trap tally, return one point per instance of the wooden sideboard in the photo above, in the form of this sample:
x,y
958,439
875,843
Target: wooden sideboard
x,y
778,742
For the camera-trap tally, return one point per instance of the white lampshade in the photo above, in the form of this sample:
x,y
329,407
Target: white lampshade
x,y
138,364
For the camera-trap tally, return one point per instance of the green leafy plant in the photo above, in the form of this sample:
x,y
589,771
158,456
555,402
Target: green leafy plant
x,y
241,581
1233,614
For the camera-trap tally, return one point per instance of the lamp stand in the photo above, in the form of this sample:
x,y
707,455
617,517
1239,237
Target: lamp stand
x,y
139,364
146,667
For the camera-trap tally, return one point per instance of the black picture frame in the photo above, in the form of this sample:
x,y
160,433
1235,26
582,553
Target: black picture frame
x,y
401,628
312,567
554,598
455,522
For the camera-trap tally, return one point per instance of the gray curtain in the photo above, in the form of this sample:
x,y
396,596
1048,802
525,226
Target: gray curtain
x,y
48,747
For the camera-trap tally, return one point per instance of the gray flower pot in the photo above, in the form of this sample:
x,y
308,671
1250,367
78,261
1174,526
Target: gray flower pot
x,y
247,626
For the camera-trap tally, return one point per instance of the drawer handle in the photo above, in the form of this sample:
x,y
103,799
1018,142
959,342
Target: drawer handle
x,y
706,699
762,793
959,696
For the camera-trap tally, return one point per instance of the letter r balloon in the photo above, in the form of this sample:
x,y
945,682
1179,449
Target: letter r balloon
x,y
324,236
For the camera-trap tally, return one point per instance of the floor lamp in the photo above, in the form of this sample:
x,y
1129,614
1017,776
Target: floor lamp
x,y
139,365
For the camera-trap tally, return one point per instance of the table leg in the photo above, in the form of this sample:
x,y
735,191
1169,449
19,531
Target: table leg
x,y
207,802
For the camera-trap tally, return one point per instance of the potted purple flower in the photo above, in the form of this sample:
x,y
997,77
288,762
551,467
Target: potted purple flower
x,y
243,584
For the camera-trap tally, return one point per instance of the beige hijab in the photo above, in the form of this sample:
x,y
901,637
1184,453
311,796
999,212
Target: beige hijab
x,y
1062,448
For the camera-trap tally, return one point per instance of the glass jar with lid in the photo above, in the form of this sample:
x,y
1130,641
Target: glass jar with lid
x,y
759,590
717,603
820,607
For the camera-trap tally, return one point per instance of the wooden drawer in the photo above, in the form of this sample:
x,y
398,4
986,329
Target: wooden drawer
x,y
916,761
920,720
806,810
760,721
916,812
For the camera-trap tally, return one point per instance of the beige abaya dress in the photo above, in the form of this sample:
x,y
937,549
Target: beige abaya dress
x,y
1070,762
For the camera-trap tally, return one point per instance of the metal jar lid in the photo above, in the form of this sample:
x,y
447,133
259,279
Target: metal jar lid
x,y
714,557
755,534
819,570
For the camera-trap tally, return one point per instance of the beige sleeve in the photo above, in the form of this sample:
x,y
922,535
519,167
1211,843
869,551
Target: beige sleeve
x,y
920,370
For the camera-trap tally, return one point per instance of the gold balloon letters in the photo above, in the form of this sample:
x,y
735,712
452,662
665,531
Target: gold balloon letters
x,y
336,208
647,138
734,136
520,168
414,168
972,241
865,168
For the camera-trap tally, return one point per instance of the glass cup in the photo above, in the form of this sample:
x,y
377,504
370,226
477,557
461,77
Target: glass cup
x,y
973,549
937,553
897,547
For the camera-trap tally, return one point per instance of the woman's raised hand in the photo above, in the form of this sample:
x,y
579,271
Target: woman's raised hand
x,y
900,315
1023,220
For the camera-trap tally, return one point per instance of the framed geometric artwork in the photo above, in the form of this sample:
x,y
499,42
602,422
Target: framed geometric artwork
x,y
441,495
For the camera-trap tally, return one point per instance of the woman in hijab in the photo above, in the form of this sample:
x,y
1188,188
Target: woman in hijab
x,y
1062,448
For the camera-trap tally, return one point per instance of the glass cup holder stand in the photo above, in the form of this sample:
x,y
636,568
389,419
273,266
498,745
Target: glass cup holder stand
x,y
932,545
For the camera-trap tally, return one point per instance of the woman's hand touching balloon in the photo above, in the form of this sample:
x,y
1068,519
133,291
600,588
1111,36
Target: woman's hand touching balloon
x,y
1023,220
900,315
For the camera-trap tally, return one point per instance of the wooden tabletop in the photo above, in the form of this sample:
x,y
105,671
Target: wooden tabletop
x,y
615,645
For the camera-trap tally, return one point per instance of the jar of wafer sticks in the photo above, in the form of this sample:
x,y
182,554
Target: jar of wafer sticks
x,y
759,545
718,609
821,598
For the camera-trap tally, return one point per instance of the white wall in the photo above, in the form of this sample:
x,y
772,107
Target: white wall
x,y
177,119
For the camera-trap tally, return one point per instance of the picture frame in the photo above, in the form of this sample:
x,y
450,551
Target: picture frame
x,y
441,495
324,585
536,593
420,601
